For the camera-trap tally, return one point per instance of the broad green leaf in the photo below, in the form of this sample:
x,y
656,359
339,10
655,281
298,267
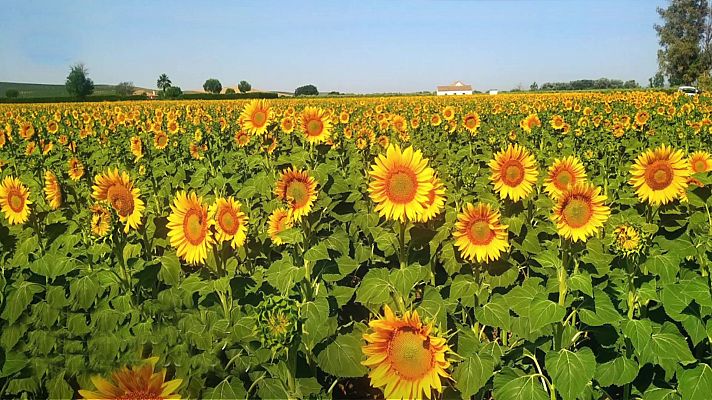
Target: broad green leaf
x,y
58,388
656,393
170,269
495,313
283,275
14,362
663,265
343,356
619,371
543,312
53,265
229,388
695,383
374,288
638,331
19,299
668,346
581,282
316,253
405,279
473,373
571,371
509,386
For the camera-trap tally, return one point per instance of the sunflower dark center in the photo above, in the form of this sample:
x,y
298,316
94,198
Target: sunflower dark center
x,y
227,218
401,186
314,127
15,200
564,178
259,118
195,226
512,173
121,199
480,232
577,212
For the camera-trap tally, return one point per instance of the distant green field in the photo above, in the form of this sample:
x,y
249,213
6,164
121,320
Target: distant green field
x,y
35,90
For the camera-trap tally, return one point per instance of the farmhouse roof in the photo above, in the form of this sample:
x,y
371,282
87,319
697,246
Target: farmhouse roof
x,y
455,86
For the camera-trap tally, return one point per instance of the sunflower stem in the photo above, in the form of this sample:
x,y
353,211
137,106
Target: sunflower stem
x,y
403,254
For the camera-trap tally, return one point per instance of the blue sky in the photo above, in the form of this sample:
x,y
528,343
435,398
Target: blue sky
x,y
349,46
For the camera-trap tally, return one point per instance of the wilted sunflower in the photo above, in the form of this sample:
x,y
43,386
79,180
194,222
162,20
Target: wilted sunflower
x,y
580,211
562,174
700,161
117,189
479,235
315,124
298,189
514,172
659,175
230,222
138,382
52,190
400,183
256,116
76,169
278,222
100,220
471,121
15,200
436,200
189,228
405,359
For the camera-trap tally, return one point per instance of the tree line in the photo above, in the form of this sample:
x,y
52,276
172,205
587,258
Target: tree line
x,y
586,84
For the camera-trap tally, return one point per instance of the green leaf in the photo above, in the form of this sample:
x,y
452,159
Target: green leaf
x,y
495,313
58,388
342,357
229,388
84,291
696,383
549,259
282,274
405,279
19,299
53,265
509,386
131,250
374,288
571,372
170,269
14,362
656,393
663,265
603,313
668,346
473,373
543,312
581,282
619,371
316,253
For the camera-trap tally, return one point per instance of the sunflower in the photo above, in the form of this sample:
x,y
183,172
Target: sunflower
x,y
557,122
400,183
627,239
117,189
479,234
562,173
298,189
138,382
136,147
160,140
100,220
14,200
53,192
279,221
287,125
242,138
230,222
436,200
659,175
700,161
580,211
514,172
256,116
448,113
530,122
399,124
189,228
315,124
76,169
471,121
405,358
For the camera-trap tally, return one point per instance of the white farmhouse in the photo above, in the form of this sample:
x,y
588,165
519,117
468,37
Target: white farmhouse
x,y
455,88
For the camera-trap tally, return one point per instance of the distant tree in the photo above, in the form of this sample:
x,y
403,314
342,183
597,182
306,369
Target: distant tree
x,y
163,82
658,80
172,92
12,93
534,87
631,84
308,90
229,91
683,40
244,86
78,83
125,88
212,85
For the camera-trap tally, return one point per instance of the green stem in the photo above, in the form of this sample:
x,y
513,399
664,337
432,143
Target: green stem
x,y
402,255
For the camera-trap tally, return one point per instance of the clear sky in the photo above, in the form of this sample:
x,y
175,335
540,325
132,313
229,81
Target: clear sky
x,y
349,46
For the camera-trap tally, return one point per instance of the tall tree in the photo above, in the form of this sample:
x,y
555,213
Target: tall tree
x,y
684,36
163,82
212,85
125,88
244,86
78,83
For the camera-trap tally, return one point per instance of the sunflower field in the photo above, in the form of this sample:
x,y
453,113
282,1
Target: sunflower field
x,y
518,246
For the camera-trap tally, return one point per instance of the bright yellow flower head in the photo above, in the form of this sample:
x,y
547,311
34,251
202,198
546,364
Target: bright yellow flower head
x,y
659,175
580,211
514,173
14,200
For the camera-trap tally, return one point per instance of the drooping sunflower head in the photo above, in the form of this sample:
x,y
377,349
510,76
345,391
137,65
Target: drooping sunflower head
x,y
138,382
406,360
256,116
298,189
580,211
315,124
52,190
400,183
479,235
562,174
436,200
118,190
659,175
514,172
76,169
100,220
628,240
230,221
700,161
279,221
14,200
189,228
